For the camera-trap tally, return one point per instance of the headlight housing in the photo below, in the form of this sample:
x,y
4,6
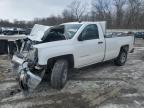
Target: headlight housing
x,y
32,54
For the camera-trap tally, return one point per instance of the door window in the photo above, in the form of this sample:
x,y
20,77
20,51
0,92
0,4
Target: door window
x,y
90,32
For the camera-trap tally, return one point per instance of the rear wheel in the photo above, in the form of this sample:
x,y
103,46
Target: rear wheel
x,y
59,74
121,59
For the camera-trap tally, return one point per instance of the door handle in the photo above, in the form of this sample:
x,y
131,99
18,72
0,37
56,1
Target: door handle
x,y
100,42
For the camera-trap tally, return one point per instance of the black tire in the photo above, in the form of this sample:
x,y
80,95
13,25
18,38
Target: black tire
x,y
121,59
59,74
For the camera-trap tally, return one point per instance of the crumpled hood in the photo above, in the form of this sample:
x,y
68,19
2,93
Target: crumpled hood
x,y
38,32
53,44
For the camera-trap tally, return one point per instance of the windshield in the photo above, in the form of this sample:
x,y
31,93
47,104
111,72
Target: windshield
x,y
61,32
71,29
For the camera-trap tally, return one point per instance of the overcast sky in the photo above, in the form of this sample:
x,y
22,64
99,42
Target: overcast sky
x,y
29,9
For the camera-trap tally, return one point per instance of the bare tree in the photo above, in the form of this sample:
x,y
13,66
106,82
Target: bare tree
x,y
117,13
134,12
77,9
101,10
119,4
67,16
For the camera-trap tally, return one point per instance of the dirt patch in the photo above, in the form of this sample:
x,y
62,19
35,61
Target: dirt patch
x,y
2,77
90,87
129,90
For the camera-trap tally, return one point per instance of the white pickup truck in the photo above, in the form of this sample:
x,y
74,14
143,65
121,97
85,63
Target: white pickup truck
x,y
69,45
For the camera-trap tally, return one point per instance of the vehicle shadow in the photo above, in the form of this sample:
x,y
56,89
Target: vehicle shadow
x,y
75,74
95,68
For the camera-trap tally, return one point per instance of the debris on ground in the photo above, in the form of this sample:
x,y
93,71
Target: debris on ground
x,y
101,85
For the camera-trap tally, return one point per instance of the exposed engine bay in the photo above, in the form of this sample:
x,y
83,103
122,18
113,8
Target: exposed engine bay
x,y
25,59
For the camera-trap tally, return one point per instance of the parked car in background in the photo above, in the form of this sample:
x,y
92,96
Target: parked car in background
x,y
28,31
10,31
0,30
15,31
21,31
139,35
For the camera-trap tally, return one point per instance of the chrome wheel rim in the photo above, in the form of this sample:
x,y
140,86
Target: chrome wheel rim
x,y
123,57
64,75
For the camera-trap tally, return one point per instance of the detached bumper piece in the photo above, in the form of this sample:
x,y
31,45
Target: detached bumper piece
x,y
27,80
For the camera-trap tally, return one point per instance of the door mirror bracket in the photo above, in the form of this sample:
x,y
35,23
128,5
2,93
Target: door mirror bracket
x,y
80,38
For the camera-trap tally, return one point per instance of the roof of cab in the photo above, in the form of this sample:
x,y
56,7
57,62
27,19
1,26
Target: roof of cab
x,y
81,22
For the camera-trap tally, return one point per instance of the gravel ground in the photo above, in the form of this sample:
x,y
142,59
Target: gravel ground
x,y
102,85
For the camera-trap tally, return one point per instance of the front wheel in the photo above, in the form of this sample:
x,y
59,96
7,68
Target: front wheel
x,y
121,59
59,74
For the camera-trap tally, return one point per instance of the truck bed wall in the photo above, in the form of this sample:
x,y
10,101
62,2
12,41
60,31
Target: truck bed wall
x,y
113,46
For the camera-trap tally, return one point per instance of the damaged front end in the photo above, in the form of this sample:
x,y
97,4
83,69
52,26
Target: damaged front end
x,y
25,66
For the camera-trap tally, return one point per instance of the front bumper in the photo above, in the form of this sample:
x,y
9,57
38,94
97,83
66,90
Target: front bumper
x,y
17,60
27,80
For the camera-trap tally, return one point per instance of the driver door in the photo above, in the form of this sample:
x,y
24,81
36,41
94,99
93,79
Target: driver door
x,y
90,48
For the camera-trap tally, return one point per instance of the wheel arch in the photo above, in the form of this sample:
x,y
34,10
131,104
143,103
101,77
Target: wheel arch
x,y
68,57
125,47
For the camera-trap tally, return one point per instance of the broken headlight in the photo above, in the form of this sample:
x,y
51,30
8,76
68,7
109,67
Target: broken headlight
x,y
32,55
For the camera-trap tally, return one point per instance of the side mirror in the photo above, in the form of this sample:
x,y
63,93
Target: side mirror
x,y
80,38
